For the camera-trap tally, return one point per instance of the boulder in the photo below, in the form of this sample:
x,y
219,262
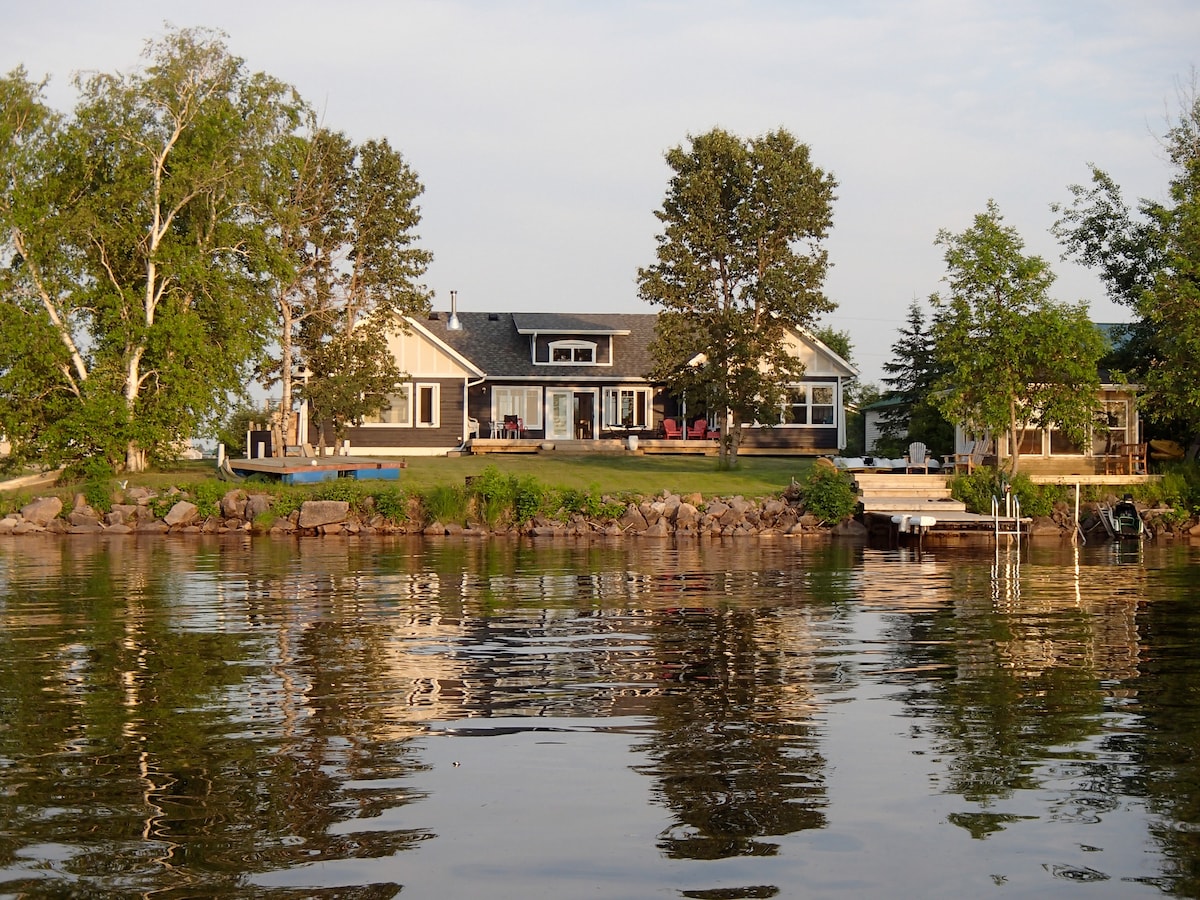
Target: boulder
x,y
315,513
632,520
41,510
233,504
256,505
184,512
850,528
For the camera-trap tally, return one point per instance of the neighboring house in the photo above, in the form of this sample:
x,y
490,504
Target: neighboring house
x,y
1048,451
874,415
567,377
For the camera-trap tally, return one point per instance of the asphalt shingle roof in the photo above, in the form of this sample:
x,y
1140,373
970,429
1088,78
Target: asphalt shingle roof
x,y
493,342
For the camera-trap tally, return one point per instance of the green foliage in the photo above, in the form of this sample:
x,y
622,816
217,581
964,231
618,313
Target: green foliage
x,y
828,494
739,265
392,504
977,489
122,220
528,499
1179,488
912,375
1150,261
231,429
446,503
207,496
1010,357
589,502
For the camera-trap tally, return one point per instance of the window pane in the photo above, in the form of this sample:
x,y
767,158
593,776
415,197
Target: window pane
x,y
822,415
822,394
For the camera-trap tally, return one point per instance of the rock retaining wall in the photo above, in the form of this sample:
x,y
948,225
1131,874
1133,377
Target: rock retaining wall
x,y
143,511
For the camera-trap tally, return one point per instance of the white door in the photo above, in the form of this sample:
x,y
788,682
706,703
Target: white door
x,y
560,406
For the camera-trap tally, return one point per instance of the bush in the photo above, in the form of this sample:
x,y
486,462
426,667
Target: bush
x,y
977,489
528,499
392,504
828,494
446,503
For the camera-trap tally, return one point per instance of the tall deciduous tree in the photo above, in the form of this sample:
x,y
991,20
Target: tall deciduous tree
x,y
740,263
131,231
1150,261
344,259
1013,358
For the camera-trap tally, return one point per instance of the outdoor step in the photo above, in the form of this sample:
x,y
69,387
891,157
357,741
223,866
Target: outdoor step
x,y
932,492
912,504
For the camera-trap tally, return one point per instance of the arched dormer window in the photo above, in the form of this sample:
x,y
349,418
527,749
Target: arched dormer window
x,y
572,353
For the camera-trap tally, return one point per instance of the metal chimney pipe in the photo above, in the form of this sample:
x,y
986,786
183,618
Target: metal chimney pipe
x,y
454,324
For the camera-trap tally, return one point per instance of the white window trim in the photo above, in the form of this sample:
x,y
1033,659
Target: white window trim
x,y
611,401
406,397
435,404
809,387
571,345
534,399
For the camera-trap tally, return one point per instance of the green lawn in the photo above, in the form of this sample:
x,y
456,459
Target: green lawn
x,y
755,476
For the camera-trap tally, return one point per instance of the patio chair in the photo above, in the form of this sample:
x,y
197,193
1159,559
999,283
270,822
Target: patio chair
x,y
917,459
671,430
698,430
970,458
514,427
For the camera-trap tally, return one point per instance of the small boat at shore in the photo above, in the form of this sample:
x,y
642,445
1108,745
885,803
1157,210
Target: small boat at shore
x,y
1122,520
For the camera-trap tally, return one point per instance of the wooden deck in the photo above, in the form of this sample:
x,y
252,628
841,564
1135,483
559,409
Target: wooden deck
x,y
304,470
614,446
890,501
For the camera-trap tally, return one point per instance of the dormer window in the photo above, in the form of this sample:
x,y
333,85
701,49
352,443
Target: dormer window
x,y
572,353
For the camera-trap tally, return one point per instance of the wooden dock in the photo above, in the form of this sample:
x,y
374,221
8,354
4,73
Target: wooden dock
x,y
309,470
896,505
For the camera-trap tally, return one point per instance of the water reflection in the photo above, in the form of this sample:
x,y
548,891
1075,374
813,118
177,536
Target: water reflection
x,y
522,718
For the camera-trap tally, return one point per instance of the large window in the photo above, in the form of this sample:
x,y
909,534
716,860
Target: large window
x,y
626,407
523,402
413,404
427,405
396,411
572,353
812,404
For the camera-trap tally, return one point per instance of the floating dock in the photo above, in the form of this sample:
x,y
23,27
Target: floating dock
x,y
310,470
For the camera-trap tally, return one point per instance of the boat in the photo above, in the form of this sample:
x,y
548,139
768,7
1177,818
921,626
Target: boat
x,y
1122,520
1166,450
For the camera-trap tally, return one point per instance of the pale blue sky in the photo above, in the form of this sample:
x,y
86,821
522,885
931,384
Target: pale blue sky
x,y
538,128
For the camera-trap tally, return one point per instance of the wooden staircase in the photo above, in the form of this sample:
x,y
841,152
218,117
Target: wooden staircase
x,y
899,492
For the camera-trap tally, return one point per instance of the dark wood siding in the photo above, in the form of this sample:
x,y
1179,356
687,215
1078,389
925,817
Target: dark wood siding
x,y
791,440
449,432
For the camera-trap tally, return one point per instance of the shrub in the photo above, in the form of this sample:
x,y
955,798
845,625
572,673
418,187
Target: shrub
x,y
446,503
207,496
392,504
828,494
528,499
977,489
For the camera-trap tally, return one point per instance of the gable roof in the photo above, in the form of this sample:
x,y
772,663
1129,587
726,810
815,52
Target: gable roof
x,y
499,343
570,323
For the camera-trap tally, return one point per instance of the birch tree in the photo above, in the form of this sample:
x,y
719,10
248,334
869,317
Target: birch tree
x,y
132,235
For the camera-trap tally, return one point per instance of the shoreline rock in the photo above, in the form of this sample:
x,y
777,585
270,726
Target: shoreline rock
x,y
244,512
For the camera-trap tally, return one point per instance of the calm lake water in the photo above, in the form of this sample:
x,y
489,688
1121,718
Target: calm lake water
x,y
515,719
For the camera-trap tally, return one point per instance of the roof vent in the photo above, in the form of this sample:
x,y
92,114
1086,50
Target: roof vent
x,y
493,317
433,316
454,324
